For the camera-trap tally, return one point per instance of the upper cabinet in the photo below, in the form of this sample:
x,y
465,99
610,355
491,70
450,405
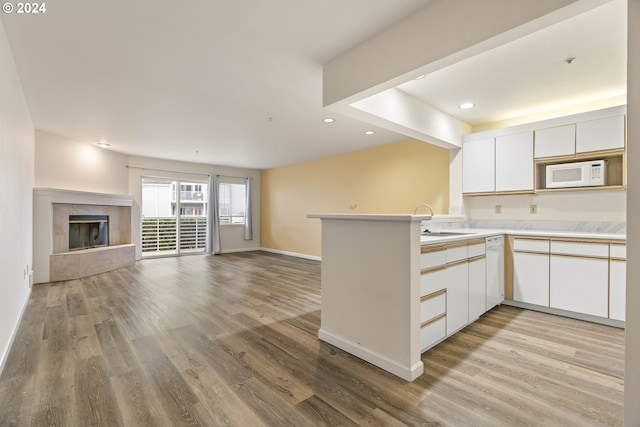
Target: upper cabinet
x,y
514,162
515,159
502,164
601,134
478,166
555,141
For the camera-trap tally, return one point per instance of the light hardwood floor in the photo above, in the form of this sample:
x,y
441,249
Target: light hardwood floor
x,y
232,340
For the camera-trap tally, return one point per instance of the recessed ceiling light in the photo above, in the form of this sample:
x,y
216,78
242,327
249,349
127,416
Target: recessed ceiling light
x,y
328,120
420,77
103,145
466,105
369,132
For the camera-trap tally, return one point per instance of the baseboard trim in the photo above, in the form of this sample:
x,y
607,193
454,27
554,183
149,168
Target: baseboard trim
x,y
5,352
565,313
230,251
295,254
408,373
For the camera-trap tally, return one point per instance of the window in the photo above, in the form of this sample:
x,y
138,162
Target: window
x,y
232,203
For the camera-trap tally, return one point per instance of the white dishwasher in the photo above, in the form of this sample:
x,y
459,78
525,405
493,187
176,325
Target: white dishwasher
x,y
495,270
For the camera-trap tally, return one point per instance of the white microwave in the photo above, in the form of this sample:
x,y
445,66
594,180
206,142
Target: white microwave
x,y
579,174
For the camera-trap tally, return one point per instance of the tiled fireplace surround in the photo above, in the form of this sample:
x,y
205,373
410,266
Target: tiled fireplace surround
x,y
52,259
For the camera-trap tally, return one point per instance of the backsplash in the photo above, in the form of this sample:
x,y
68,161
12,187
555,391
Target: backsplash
x,y
577,226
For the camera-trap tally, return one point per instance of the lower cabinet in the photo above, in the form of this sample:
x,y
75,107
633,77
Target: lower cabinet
x,y
580,285
452,289
617,282
531,278
457,297
433,332
477,288
579,280
586,277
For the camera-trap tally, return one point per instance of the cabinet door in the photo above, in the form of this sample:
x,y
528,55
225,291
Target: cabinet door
x,y
477,289
432,334
617,289
478,166
556,141
600,134
531,278
580,285
433,281
457,297
514,162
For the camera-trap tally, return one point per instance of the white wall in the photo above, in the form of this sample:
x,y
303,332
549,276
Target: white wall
x,y
68,164
601,206
16,198
231,236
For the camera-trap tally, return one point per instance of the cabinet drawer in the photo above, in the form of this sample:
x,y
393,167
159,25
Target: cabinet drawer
x,y
433,305
433,259
456,253
531,245
476,250
618,251
432,333
580,249
433,281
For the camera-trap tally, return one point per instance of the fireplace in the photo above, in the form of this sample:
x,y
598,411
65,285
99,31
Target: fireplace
x,y
88,231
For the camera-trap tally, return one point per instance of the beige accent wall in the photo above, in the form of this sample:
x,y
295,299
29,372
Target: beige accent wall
x,y
393,178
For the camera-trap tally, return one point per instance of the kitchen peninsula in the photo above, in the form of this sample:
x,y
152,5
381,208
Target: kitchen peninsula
x,y
371,288
389,293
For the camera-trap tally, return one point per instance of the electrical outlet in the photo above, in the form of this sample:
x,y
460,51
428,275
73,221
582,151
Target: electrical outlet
x,y
498,209
533,209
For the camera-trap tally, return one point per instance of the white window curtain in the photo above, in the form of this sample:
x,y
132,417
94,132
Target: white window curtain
x,y
213,217
248,216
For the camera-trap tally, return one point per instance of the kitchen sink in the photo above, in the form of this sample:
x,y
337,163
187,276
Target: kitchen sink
x,y
445,233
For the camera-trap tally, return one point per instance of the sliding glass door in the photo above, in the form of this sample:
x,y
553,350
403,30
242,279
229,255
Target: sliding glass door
x,y
174,216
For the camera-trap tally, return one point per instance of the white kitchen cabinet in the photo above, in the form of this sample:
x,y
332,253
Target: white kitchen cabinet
x,y
555,141
514,162
457,297
601,134
433,281
617,282
432,333
617,289
531,278
531,271
579,285
579,279
478,166
477,288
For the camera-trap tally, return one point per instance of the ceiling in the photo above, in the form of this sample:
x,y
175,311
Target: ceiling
x,y
239,83
534,74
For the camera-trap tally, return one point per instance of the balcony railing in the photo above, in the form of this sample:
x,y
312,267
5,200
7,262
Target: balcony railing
x,y
189,196
159,234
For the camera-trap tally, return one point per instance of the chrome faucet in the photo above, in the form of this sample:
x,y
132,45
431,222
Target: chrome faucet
x,y
424,205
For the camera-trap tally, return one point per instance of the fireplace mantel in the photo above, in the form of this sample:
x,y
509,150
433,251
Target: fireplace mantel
x,y
83,198
51,208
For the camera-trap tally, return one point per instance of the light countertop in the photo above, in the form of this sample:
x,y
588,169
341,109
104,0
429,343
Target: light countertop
x,y
474,233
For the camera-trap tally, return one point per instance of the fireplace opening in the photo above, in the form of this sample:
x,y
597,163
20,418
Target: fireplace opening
x,y
88,231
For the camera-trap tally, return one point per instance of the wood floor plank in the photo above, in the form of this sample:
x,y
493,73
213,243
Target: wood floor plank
x,y
118,355
232,340
76,304
94,395
171,389
137,401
